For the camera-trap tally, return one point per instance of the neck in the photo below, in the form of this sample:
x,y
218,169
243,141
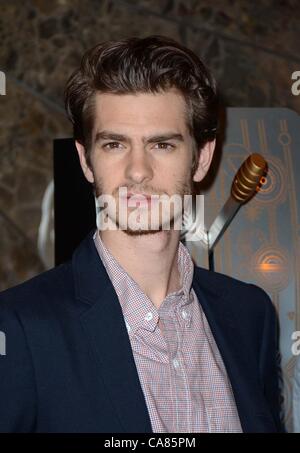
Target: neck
x,y
150,260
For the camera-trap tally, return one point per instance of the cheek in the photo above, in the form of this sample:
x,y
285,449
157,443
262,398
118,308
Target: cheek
x,y
110,176
181,172
182,164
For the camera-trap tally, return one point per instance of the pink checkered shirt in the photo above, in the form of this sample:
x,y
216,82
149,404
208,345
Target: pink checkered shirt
x,y
181,371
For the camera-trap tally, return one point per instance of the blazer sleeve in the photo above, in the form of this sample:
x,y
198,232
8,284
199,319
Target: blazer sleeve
x,y
17,382
269,363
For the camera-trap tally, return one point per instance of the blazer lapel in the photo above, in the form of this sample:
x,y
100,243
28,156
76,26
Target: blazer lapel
x,y
104,325
238,359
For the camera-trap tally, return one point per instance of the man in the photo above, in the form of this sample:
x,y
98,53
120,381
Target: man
x,y
130,336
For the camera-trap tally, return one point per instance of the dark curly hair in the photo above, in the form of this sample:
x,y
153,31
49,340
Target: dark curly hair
x,y
146,65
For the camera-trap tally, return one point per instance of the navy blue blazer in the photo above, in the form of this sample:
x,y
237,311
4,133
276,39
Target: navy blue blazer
x,y
69,366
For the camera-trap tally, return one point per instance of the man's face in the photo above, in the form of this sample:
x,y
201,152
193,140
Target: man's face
x,y
141,142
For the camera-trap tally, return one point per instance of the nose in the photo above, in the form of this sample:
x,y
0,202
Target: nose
x,y
138,168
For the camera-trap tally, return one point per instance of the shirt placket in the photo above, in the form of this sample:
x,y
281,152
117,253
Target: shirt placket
x,y
173,334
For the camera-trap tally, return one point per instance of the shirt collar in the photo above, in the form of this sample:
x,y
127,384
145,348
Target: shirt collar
x,y
137,308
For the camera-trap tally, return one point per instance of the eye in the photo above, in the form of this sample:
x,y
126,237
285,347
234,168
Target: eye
x,y
164,145
111,145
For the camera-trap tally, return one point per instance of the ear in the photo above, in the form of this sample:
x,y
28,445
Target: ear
x,y
82,157
205,158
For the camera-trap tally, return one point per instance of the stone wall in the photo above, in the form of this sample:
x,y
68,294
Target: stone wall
x,y
252,48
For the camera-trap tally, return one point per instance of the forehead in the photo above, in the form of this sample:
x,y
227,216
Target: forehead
x,y
141,110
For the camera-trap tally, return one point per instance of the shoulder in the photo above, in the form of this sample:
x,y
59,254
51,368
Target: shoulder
x,y
222,283
34,292
246,298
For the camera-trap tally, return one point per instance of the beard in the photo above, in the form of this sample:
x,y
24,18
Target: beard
x,y
112,214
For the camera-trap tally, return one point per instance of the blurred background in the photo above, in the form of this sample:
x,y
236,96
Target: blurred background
x,y
251,47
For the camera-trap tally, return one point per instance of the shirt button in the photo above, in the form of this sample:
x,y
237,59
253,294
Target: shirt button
x,y
175,363
148,316
128,326
184,314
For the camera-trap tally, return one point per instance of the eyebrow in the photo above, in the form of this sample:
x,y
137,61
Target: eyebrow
x,y
110,135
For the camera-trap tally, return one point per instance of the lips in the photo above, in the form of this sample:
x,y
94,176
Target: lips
x,y
139,199
139,195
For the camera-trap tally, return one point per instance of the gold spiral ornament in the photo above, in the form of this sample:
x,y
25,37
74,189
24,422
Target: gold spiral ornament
x,y
247,180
